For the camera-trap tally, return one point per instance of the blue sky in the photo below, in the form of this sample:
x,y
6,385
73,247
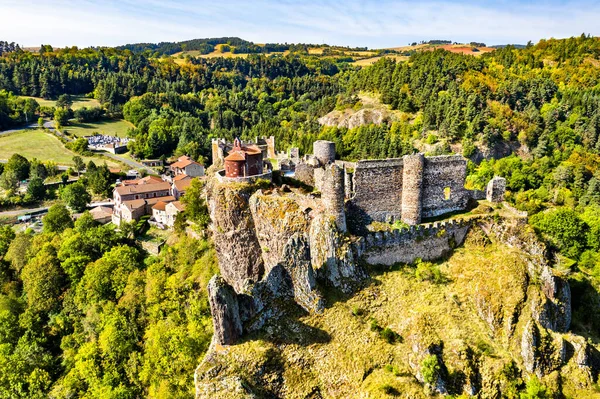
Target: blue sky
x,y
375,24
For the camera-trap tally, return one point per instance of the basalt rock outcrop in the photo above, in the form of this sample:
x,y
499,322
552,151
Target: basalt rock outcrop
x,y
238,249
271,250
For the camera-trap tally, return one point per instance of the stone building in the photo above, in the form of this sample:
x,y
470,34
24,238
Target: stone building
x,y
186,166
243,161
220,147
409,188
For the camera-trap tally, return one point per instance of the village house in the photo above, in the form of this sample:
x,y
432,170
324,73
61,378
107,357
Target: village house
x,y
102,214
180,185
165,213
186,166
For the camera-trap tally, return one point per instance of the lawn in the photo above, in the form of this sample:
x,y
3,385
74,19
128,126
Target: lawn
x,y
78,102
108,127
43,146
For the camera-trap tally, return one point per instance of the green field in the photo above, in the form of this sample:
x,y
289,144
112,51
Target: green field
x,y
78,102
43,146
107,127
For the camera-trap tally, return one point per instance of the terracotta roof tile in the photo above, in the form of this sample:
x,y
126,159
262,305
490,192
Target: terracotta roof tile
x,y
142,188
160,206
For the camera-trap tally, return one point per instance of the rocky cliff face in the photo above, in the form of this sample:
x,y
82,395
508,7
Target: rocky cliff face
x,y
271,251
238,249
351,119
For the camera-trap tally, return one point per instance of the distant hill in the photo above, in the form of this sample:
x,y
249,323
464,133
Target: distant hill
x,y
517,46
206,46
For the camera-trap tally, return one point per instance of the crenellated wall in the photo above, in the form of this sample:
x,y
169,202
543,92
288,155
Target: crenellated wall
x,y
426,241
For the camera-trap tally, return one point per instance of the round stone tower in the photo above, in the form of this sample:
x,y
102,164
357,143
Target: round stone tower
x,y
332,195
412,188
324,151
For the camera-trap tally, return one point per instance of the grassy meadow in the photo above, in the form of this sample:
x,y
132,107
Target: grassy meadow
x,y
43,146
108,127
78,102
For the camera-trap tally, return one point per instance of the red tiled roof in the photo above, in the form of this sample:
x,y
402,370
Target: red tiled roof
x,y
180,206
181,177
134,204
184,163
181,185
142,188
160,206
152,201
236,156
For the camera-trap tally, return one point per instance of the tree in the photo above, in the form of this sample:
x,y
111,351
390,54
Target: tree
x,y
20,165
79,164
18,251
76,196
43,281
57,219
196,208
37,169
564,229
64,101
79,146
6,236
99,180
61,117
36,189
9,180
41,121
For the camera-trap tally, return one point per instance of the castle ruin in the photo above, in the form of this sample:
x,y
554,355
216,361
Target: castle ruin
x,y
409,189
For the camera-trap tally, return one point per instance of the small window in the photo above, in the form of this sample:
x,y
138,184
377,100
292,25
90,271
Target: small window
x,y
447,193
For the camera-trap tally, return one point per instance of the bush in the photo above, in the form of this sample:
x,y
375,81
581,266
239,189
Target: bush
x,y
430,369
389,390
389,335
427,271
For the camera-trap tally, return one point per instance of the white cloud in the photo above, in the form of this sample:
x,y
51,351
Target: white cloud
x,y
353,22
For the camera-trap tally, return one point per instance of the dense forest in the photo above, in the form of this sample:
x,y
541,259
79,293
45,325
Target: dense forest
x,y
107,322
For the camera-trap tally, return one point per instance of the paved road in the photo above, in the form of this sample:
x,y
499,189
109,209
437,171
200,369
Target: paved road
x,y
18,129
129,162
19,212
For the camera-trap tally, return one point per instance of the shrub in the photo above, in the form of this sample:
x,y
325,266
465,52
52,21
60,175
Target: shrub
x,y
356,311
427,271
389,390
389,335
430,369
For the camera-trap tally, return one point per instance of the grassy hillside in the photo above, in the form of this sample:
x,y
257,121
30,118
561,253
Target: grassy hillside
x,y
109,127
78,102
370,345
43,146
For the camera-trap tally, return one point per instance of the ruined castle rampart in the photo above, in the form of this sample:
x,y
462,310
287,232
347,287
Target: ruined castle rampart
x,y
408,189
443,185
377,187
427,242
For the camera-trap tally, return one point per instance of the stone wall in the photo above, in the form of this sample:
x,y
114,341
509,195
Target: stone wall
x,y
324,151
443,185
377,191
333,194
412,188
408,189
427,242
